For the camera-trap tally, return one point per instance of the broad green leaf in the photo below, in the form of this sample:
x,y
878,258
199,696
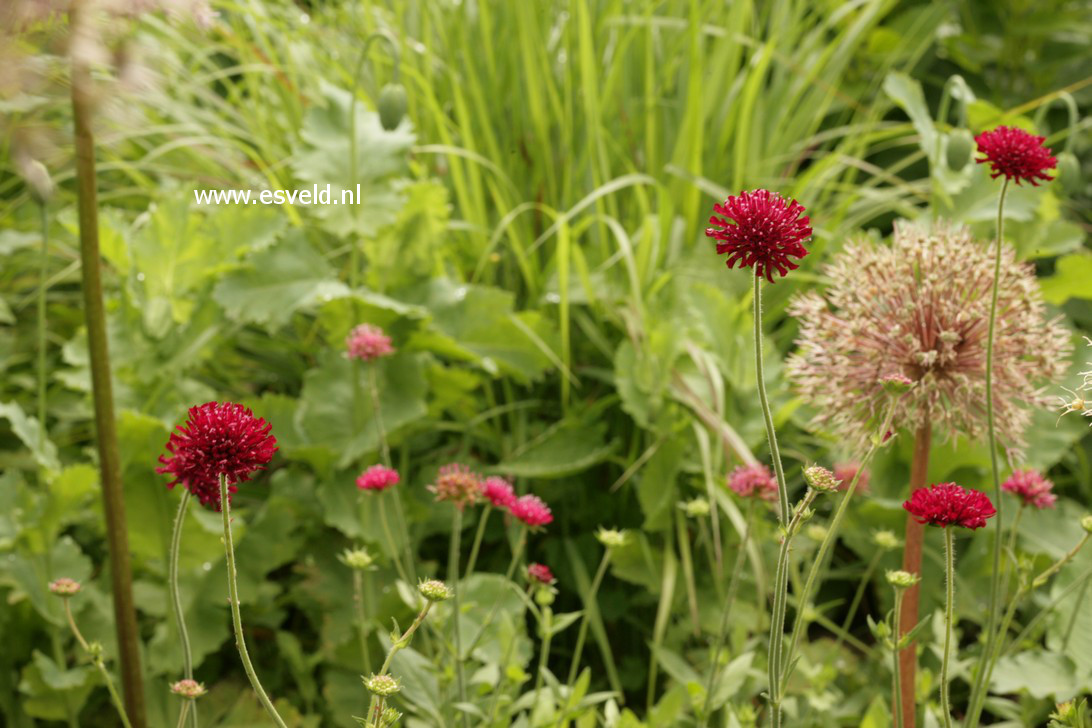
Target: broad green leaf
x,y
1041,674
29,431
569,447
1072,279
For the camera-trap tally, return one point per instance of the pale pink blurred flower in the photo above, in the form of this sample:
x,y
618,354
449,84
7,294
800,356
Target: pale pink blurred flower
x,y
532,510
1031,487
457,483
499,492
845,473
368,343
377,477
753,481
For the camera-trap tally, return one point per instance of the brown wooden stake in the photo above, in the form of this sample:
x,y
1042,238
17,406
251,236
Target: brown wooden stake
x,y
911,561
117,535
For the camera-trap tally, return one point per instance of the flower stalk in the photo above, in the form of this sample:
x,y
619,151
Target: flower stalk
x,y
176,602
94,651
949,626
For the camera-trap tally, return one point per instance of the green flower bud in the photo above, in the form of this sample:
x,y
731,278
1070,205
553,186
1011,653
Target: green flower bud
x,y
695,508
816,532
382,685
902,579
65,587
611,538
1086,524
821,479
885,539
357,559
896,384
190,689
390,717
960,148
392,105
434,590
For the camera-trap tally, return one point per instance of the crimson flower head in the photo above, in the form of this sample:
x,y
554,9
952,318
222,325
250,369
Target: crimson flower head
x,y
753,481
377,477
219,438
767,231
949,504
457,483
532,510
368,343
1032,488
1015,154
499,492
540,573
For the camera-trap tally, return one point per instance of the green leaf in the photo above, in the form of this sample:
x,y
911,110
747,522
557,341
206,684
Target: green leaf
x,y
1041,674
568,447
278,282
1072,279
656,484
29,431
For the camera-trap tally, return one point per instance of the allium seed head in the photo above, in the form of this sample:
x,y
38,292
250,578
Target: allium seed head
x,y
65,587
190,689
457,483
499,492
377,477
532,511
1015,154
948,504
1031,487
921,306
766,230
218,438
368,343
753,481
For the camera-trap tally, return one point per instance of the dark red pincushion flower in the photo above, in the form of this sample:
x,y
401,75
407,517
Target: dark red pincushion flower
x,y
949,504
1016,154
218,437
768,230
540,573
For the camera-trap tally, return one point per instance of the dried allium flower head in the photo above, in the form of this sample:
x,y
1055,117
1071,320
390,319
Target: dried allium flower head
x,y
377,477
767,231
65,587
921,307
753,481
499,492
532,510
1031,487
218,438
949,504
457,483
368,343
845,472
1015,154
187,688
540,573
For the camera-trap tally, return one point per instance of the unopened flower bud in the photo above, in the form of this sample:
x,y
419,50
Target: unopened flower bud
x,y
885,539
821,479
896,384
960,149
382,685
38,180
358,559
612,538
65,587
816,532
434,590
902,579
1086,524
392,105
190,689
695,508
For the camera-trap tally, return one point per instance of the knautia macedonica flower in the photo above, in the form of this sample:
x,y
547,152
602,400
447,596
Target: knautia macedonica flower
x,y
819,478
368,343
65,587
1031,487
377,477
532,510
753,481
921,307
948,504
434,590
190,689
218,438
1017,155
845,472
457,483
540,574
499,492
766,230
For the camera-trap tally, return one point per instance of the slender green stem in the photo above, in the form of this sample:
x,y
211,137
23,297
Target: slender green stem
x,y
516,553
590,606
688,571
767,415
43,272
949,626
483,519
392,545
546,626
236,616
502,666
453,577
722,630
186,703
96,659
176,596
899,594
858,595
58,657
407,540
800,624
361,619
373,385
995,469
401,643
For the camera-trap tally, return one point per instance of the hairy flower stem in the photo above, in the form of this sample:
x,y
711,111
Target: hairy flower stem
x,y
117,534
995,469
911,562
897,677
590,604
482,520
95,652
771,434
401,643
176,596
453,579
800,623
949,626
722,630
236,617
361,620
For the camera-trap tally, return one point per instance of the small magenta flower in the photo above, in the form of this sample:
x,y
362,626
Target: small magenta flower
x,y
532,511
368,343
1015,154
65,587
948,504
499,492
190,689
1031,487
845,472
377,477
219,438
540,574
457,483
753,481
767,231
